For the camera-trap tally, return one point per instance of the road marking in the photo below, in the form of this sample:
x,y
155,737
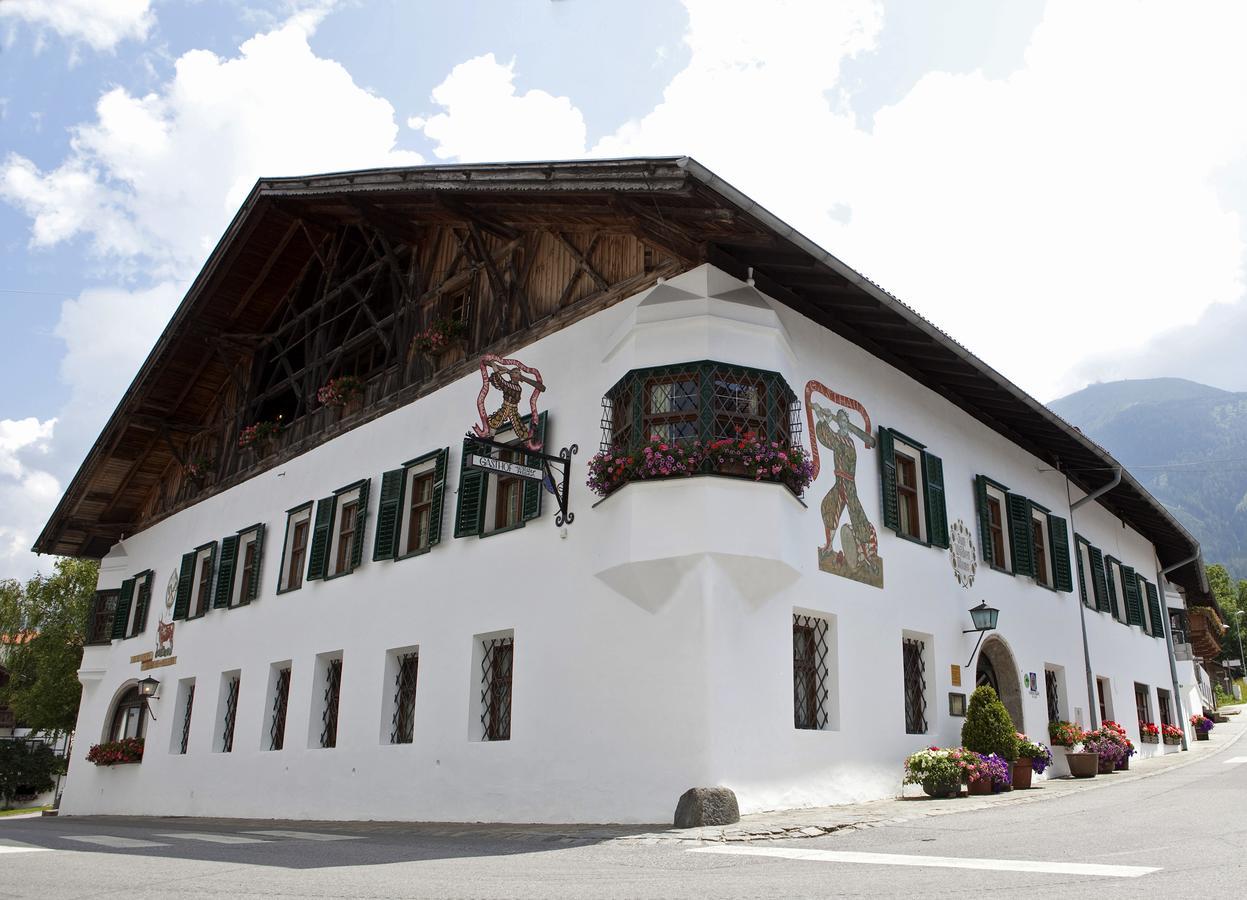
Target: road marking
x,y
108,840
1236,759
938,862
308,835
211,838
9,848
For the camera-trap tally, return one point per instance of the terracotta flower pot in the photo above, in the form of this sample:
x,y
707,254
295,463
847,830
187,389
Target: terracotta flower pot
x,y
980,786
1083,765
1022,773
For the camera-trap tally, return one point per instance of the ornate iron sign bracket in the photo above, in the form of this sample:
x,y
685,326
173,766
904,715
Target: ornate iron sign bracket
x,y
559,486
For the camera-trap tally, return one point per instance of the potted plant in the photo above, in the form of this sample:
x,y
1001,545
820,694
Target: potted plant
x,y
1108,747
991,776
988,728
1067,735
1171,734
1033,759
1118,733
1202,725
196,469
441,337
344,393
940,771
1149,732
260,437
116,753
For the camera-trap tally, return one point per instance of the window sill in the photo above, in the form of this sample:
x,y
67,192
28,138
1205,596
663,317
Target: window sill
x,y
911,538
679,478
289,590
341,574
516,527
420,552
1002,569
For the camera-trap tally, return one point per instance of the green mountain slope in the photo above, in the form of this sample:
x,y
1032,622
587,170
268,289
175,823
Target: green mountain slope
x,y
1197,433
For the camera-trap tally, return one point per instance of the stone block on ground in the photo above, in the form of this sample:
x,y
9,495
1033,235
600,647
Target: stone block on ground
x,y
706,806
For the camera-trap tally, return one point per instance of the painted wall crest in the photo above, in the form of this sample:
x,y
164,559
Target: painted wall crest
x,y
857,556
164,629
961,553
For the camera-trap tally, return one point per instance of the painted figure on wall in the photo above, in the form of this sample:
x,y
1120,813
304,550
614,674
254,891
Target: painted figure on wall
x,y
857,555
509,376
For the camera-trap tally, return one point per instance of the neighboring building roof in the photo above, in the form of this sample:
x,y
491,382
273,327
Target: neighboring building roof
x,y
674,202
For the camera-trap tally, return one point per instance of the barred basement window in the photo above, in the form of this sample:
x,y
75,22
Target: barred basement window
x,y
403,723
230,714
700,402
496,667
809,672
915,686
184,742
333,691
281,701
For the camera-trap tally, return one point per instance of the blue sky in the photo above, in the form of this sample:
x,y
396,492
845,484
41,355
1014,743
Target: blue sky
x,y
1073,172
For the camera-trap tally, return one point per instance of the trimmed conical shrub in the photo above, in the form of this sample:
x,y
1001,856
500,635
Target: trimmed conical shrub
x,y
988,728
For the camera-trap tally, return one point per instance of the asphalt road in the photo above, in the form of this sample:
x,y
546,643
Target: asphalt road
x,y
1173,835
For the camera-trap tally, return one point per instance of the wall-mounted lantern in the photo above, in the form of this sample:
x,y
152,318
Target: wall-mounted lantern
x,y
984,618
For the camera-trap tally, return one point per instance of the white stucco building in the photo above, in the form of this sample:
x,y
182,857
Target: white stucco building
x,y
364,627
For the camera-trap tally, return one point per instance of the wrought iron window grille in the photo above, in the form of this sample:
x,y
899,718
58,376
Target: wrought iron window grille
x,y
231,715
403,724
1050,689
809,672
496,665
281,700
329,718
915,687
184,743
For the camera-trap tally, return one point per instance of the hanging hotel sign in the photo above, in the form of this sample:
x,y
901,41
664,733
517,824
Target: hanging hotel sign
x,y
510,376
505,468
961,553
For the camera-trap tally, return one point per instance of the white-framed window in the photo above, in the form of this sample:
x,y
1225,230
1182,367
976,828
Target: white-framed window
x,y
294,547
995,535
1104,698
345,533
1116,588
402,669
276,706
913,489
918,676
326,698
337,544
184,706
1040,543
490,692
201,581
227,712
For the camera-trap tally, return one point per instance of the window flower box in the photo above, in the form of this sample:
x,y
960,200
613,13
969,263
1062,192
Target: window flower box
x,y
1171,734
1149,733
345,394
116,753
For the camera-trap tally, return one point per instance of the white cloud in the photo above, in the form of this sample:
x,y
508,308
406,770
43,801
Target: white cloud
x,y
100,23
486,120
154,179
27,492
1072,201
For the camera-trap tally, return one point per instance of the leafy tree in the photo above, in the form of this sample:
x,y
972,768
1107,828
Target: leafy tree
x,y
26,769
43,689
1231,596
988,728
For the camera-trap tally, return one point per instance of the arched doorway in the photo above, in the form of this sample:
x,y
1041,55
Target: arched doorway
x,y
997,669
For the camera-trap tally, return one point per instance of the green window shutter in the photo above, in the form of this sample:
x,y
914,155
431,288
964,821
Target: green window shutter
x,y
470,510
141,605
1099,583
533,490
1111,583
439,490
186,575
1134,602
389,515
225,572
1082,577
1153,610
933,491
361,520
887,478
985,522
122,616
1058,538
318,554
1021,534
253,589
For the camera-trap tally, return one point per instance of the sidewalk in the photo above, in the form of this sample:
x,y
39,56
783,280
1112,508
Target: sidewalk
x,y
801,823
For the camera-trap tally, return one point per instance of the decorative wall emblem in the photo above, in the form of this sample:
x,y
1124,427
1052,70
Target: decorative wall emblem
x,y
857,556
961,553
509,376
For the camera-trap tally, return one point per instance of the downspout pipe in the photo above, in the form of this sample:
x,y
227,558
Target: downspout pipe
x,y
1098,492
1173,663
